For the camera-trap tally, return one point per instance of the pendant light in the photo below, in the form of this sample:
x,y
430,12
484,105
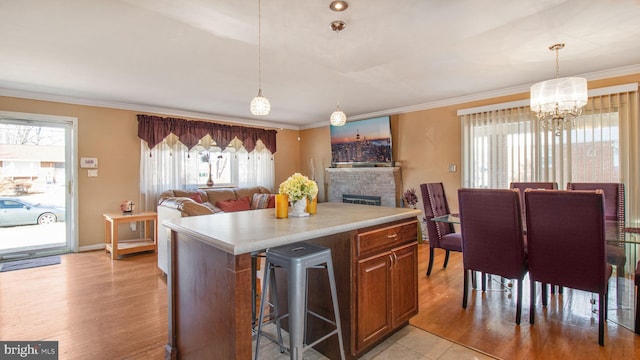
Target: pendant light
x,y
260,105
555,100
338,117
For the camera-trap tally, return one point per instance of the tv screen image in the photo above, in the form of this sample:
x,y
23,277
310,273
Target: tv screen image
x,y
362,142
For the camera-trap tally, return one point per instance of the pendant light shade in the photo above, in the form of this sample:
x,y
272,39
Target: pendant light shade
x,y
555,100
260,105
338,117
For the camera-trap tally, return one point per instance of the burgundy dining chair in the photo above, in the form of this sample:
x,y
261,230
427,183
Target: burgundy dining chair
x,y
492,238
566,244
544,185
522,186
441,235
614,213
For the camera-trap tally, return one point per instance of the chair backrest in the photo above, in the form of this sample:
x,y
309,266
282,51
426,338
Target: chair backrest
x,y
522,186
614,213
491,224
613,197
566,238
435,204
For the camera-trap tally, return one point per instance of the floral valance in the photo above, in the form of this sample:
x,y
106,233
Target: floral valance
x,y
153,129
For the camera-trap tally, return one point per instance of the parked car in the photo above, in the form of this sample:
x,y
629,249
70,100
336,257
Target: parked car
x,y
14,211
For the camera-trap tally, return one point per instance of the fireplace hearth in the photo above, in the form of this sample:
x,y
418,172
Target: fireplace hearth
x,y
382,182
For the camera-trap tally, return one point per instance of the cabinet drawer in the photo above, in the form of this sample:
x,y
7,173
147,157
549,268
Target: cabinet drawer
x,y
385,238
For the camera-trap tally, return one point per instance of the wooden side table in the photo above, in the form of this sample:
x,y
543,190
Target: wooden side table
x,y
121,247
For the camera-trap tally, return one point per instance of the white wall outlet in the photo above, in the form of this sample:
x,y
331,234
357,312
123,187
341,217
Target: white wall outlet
x,y
92,173
453,168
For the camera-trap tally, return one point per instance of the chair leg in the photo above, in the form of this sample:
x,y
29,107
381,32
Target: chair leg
x,y
532,301
545,294
519,302
430,261
483,278
446,259
637,327
465,287
601,319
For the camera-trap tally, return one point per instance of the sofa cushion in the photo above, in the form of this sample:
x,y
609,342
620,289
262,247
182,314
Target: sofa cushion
x,y
213,196
263,201
192,208
232,205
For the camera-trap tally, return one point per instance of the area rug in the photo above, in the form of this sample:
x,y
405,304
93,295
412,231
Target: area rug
x,y
29,263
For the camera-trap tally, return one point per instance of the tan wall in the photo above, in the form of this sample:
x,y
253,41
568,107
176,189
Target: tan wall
x,y
111,136
426,142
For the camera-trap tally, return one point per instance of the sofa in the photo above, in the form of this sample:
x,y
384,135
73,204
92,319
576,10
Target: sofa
x,y
175,204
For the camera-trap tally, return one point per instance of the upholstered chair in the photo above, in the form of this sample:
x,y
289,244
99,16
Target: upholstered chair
x,y
566,244
441,235
522,186
492,238
614,214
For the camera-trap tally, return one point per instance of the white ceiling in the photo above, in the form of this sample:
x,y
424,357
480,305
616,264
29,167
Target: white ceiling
x,y
200,56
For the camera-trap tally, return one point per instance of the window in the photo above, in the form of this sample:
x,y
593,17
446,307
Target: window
x,y
175,167
505,143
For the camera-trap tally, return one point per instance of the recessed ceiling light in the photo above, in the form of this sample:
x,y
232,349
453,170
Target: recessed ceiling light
x,y
338,5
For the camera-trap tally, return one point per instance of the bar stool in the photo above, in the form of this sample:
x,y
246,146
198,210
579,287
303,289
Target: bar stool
x,y
296,259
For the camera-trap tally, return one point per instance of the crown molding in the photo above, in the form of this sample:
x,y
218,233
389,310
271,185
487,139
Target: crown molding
x,y
142,108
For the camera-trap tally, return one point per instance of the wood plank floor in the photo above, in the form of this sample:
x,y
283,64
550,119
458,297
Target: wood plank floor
x,y
566,329
102,309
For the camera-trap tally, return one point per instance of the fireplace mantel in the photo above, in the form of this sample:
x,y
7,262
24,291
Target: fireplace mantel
x,y
385,182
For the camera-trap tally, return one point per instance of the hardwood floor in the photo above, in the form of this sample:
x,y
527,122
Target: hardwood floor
x,y
102,309
566,329
94,307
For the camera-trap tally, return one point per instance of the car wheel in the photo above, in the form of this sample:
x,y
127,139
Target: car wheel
x,y
47,218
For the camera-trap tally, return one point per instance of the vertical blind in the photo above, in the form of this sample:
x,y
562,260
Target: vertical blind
x,y
507,143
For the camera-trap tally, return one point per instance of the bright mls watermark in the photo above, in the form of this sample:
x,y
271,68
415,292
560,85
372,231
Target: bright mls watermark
x,y
32,350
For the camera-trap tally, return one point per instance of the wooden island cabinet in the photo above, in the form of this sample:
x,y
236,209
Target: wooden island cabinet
x,y
374,254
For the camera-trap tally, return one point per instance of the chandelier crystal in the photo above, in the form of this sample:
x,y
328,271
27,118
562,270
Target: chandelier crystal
x,y
260,105
555,100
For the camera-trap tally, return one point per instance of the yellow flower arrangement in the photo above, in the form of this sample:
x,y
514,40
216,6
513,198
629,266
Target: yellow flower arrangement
x,y
298,186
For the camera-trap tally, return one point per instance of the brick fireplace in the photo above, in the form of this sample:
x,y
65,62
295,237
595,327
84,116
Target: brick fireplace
x,y
385,182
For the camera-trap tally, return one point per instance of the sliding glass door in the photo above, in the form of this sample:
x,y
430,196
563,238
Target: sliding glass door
x,y
36,185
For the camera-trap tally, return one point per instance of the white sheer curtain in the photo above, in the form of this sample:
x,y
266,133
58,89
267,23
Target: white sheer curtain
x,y
170,165
505,143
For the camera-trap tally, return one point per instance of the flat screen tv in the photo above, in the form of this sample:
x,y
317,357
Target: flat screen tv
x,y
362,143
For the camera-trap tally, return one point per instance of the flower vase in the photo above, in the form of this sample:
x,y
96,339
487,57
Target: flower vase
x,y
210,180
298,208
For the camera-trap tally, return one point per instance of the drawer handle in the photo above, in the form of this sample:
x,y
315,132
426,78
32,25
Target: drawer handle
x,y
392,236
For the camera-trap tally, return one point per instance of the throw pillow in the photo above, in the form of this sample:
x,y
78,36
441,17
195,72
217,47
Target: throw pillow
x,y
213,208
263,201
235,204
196,197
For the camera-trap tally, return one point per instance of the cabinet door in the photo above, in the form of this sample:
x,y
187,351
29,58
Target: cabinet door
x,y
404,283
373,299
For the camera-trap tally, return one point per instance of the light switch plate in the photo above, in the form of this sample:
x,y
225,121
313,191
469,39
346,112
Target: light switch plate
x,y
453,168
92,172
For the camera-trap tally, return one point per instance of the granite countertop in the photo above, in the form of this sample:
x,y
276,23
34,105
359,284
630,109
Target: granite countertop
x,y
248,231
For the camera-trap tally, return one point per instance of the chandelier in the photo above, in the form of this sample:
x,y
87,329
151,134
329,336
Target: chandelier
x,y
260,105
338,117
555,100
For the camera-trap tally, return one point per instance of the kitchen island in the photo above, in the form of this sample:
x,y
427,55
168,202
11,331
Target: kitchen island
x,y
209,283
